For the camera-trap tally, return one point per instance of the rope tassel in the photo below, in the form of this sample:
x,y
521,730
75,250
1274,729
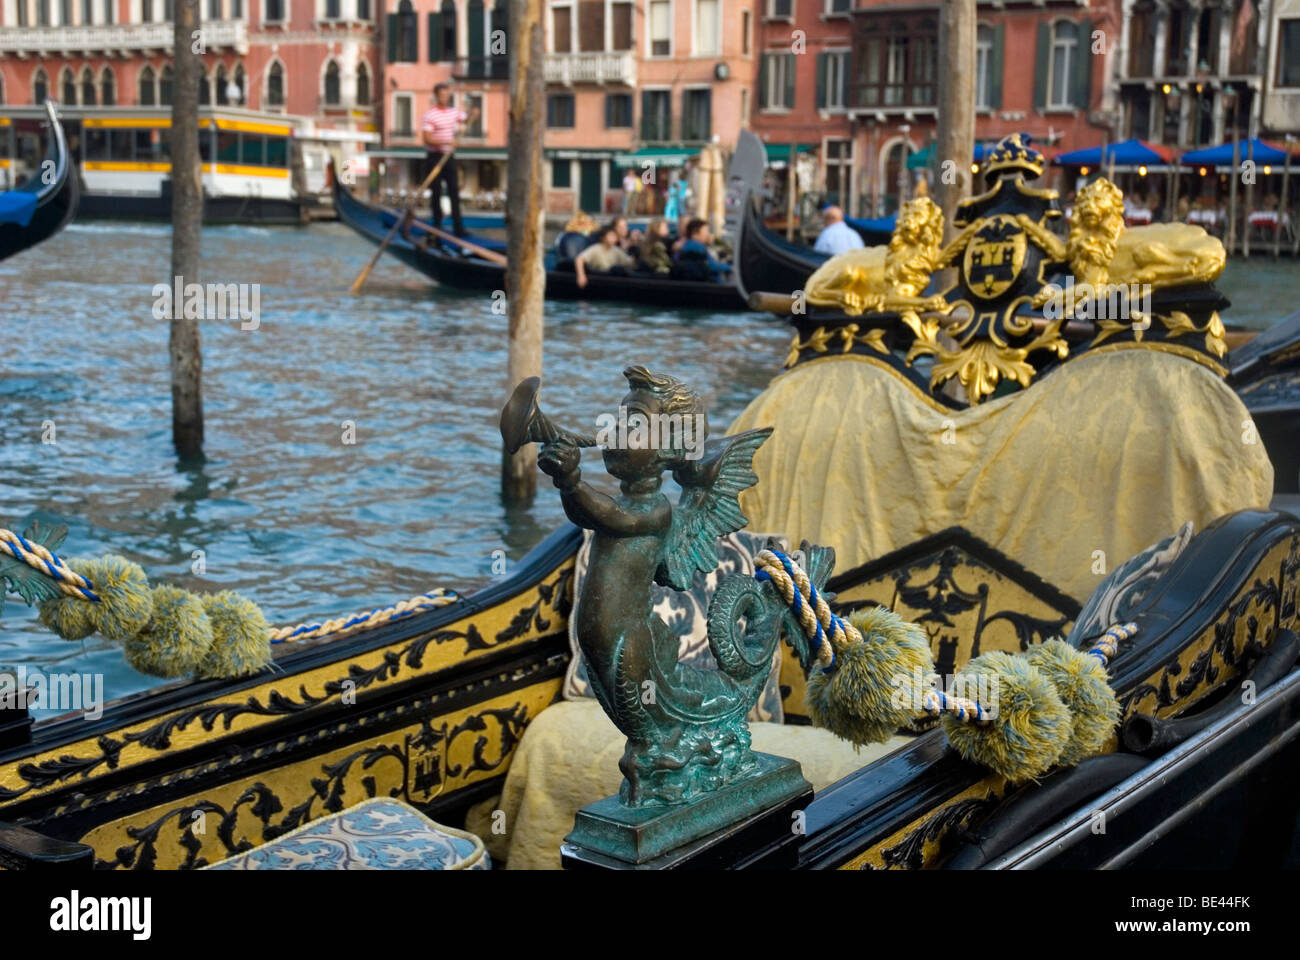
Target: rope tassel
x,y
166,631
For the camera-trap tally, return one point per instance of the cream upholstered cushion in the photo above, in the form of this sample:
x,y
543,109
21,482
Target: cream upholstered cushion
x,y
569,758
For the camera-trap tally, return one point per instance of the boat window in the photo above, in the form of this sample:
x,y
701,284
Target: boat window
x,y
121,145
227,146
277,151
96,144
150,145
205,146
252,148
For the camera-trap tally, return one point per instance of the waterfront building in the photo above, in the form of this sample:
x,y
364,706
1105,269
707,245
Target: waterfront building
x,y
311,63
427,42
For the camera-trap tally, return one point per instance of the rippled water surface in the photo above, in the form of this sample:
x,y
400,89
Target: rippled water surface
x,y
285,511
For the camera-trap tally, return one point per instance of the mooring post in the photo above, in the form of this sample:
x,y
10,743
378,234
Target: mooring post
x,y
525,273
955,124
187,228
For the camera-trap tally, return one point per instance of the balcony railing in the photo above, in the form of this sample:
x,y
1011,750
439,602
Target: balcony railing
x,y
113,37
571,68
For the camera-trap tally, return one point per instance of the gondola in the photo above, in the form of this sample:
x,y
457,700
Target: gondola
x,y
42,206
437,706
472,273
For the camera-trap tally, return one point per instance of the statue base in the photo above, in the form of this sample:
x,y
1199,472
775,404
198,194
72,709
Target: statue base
x,y
753,813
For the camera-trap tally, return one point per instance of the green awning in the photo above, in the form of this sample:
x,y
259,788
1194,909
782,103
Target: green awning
x,y
660,156
780,152
922,158
379,150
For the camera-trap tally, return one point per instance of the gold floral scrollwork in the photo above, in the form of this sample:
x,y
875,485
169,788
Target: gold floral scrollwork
x,y
819,340
1179,324
980,366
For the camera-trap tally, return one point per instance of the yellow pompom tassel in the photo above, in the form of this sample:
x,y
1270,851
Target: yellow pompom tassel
x,y
177,638
872,690
69,617
126,603
1084,688
241,641
1028,727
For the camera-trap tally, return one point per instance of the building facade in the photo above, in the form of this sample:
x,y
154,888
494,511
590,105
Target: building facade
x,y
311,59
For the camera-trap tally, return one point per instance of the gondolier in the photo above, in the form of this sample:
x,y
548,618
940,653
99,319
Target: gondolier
x,y
439,129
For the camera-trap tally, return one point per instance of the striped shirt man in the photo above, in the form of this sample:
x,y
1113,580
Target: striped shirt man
x,y
440,125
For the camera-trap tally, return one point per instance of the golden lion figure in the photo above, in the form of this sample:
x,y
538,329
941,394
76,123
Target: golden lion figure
x,y
1102,253
886,278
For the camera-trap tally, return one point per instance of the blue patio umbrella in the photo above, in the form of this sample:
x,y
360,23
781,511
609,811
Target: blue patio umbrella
x,y
1221,156
1127,153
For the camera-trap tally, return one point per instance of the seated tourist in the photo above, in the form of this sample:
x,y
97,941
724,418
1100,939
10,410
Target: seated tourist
x,y
837,236
603,257
653,255
694,260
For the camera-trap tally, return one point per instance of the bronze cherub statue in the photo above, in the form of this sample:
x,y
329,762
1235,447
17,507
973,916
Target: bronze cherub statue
x,y
686,728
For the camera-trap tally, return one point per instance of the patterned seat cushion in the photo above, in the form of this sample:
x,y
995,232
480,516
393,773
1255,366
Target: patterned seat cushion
x,y
376,834
686,614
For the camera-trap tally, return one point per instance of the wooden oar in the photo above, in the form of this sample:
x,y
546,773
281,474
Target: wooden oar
x,y
364,275
473,248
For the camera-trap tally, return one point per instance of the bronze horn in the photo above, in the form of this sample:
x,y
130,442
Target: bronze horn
x,y
522,420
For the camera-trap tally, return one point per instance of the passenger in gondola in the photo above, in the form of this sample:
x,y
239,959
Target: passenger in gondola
x,y
694,260
681,237
654,256
603,257
836,236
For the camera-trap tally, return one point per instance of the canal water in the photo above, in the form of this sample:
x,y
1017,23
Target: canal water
x,y
284,510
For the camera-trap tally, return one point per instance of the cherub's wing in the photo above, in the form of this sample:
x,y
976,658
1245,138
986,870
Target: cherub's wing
x,y
709,506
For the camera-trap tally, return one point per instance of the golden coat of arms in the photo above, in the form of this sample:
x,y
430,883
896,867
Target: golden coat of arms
x,y
994,257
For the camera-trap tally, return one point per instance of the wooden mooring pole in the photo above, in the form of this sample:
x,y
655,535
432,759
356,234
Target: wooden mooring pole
x,y
525,226
187,227
955,134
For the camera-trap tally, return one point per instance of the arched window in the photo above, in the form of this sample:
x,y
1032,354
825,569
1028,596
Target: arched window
x,y
67,87
166,81
40,86
1065,64
107,88
147,95
333,9
214,9
169,9
87,12
146,11
2,90
275,85
363,85
87,87
331,84
274,11
205,90
42,13
241,84
363,9
407,39
65,13
108,11
219,85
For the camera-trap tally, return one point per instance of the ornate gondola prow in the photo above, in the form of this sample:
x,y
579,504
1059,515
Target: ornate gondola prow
x,y
1025,298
